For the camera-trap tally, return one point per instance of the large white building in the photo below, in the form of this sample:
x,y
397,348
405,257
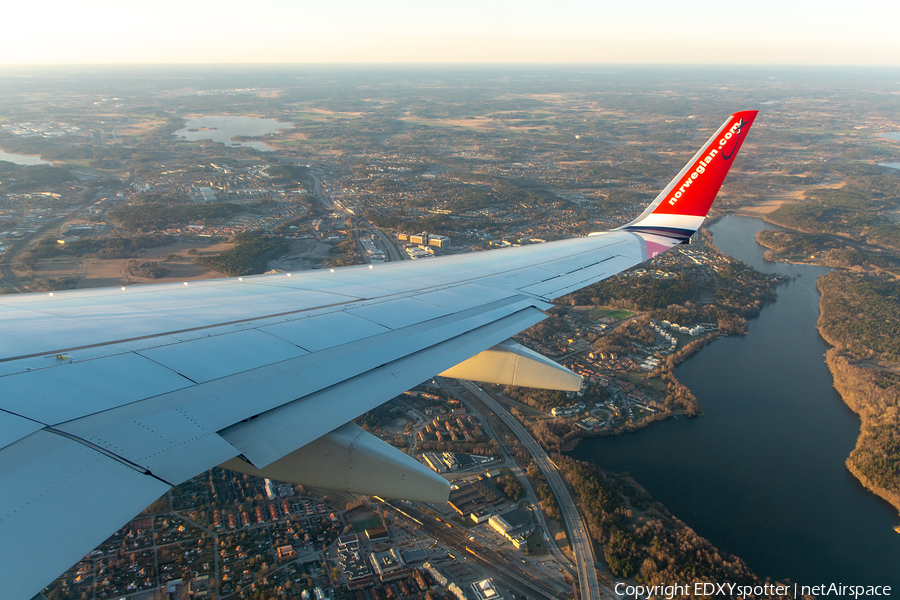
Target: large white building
x,y
426,239
485,590
515,526
387,562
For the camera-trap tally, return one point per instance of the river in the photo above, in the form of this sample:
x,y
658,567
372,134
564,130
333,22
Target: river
x,y
761,474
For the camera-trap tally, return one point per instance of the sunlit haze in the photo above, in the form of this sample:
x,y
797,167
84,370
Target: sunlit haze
x,y
849,32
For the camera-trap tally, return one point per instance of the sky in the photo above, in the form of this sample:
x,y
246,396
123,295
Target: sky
x,y
790,32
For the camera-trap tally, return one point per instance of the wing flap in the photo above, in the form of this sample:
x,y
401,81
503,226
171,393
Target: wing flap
x,y
276,433
148,432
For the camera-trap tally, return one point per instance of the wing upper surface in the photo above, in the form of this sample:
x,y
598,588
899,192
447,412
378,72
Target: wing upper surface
x,y
242,339
40,324
159,383
108,397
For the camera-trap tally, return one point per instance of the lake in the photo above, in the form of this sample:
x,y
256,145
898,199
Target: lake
x,y
223,129
761,474
23,159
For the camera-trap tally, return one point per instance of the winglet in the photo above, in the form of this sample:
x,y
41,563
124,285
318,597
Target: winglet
x,y
681,207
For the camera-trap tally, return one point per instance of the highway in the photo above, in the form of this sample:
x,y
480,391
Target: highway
x,y
578,535
319,192
389,247
561,559
392,253
7,275
509,574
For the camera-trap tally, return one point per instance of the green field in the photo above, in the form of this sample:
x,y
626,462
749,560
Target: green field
x,y
361,526
656,384
613,313
636,377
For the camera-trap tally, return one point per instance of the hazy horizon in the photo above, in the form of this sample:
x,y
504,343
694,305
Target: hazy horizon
x,y
772,32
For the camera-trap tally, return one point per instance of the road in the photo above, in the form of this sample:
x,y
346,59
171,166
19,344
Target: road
x,y
578,535
390,248
509,574
392,253
127,122
508,461
319,192
6,273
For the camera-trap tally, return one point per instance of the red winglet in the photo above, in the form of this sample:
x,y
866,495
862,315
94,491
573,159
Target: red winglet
x,y
680,208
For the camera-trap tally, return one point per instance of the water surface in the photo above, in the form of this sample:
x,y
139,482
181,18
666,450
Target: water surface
x,y
223,129
761,474
23,159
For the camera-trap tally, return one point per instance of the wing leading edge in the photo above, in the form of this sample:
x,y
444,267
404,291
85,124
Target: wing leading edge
x,y
108,397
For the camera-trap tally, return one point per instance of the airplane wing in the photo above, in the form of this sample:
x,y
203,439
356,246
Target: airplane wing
x,y
109,397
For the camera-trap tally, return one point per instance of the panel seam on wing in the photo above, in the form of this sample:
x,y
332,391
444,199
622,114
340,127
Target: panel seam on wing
x,y
56,484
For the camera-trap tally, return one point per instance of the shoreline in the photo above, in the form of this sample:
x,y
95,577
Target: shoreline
x,y
43,161
839,384
886,495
